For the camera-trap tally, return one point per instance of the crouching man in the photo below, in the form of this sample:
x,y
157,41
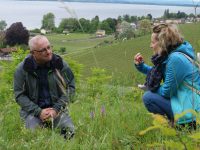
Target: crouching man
x,y
43,83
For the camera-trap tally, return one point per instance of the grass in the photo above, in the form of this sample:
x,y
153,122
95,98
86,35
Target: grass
x,y
116,128
191,32
117,57
111,119
76,41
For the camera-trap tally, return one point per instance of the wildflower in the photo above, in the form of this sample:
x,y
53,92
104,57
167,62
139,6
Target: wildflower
x,y
103,110
92,114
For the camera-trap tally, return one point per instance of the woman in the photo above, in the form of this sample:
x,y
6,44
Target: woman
x,y
176,72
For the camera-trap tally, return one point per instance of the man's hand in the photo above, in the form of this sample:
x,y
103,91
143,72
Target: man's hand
x,y
53,113
48,113
44,115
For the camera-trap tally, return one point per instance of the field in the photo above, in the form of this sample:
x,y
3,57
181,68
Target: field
x,y
76,42
117,57
107,110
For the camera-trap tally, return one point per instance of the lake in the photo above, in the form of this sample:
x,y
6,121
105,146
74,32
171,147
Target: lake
x,y
30,13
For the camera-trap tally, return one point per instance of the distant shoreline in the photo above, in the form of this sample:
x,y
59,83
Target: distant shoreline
x,y
23,9
138,3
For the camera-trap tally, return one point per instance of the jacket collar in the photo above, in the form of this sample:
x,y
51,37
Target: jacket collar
x,y
30,64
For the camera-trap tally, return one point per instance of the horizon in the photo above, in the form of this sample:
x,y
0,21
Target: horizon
x,y
188,3
30,12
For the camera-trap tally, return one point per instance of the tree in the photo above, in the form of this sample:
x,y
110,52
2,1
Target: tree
x,y
127,18
109,25
127,31
94,25
16,34
134,18
166,14
181,15
70,24
195,7
145,26
141,18
85,24
2,39
112,23
149,16
191,15
105,26
119,19
3,25
64,25
48,21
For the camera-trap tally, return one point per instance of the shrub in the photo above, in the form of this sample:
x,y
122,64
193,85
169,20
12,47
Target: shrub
x,y
62,50
2,39
17,34
96,82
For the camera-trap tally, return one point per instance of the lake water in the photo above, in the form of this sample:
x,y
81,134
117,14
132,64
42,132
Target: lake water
x,y
30,13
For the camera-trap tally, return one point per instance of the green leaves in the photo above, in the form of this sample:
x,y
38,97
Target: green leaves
x,y
7,73
174,145
194,113
182,140
161,123
48,21
195,136
97,81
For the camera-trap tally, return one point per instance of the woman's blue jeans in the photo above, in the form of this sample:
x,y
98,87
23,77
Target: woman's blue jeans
x,y
157,104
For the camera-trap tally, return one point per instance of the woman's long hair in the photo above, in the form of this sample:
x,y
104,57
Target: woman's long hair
x,y
168,36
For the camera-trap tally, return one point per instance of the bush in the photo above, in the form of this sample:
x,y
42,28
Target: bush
x,y
17,34
127,34
62,50
2,39
96,81
36,30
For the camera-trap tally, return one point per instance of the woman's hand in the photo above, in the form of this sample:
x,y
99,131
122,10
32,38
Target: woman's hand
x,y
138,59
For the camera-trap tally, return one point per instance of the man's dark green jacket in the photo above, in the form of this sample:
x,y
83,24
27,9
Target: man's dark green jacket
x,y
60,79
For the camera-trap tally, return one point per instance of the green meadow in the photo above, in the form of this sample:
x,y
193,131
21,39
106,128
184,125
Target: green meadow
x,y
74,42
107,109
117,57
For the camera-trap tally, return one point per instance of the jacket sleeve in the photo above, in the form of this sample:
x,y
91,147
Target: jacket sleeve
x,y
174,76
66,96
70,81
144,68
21,93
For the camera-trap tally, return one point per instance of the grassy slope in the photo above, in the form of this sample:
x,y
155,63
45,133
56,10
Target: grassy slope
x,y
117,128
117,57
191,33
75,41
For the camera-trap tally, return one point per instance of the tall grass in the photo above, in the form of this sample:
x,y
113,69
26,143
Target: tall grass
x,y
108,118
117,58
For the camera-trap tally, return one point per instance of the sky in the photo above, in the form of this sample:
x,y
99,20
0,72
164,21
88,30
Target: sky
x,y
30,13
172,2
113,1
150,1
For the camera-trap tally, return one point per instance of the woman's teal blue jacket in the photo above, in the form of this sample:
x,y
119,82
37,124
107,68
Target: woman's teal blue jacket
x,y
179,71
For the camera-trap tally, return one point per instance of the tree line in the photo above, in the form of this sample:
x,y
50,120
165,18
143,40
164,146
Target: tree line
x,y
18,32
86,25
178,15
90,26
109,24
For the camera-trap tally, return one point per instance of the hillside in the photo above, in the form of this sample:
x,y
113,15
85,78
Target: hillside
x,y
106,117
117,57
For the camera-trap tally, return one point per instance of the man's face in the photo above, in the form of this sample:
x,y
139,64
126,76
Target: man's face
x,y
42,51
